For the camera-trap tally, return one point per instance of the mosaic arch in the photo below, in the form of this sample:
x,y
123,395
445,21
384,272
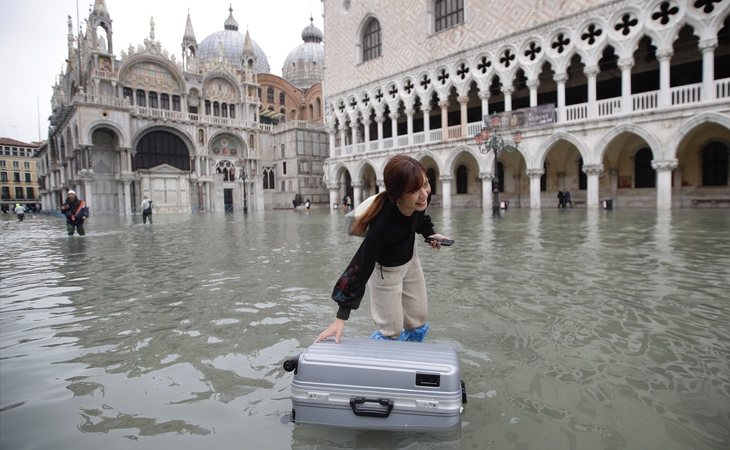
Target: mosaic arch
x,y
227,145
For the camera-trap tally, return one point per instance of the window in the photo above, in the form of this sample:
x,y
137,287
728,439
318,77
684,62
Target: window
x,y
164,101
266,179
16,165
153,99
19,193
3,164
3,177
371,41
715,164
283,150
216,109
270,95
15,151
284,165
271,180
29,193
127,93
6,193
176,103
282,98
26,165
141,98
16,177
207,107
448,13
232,111
643,172
27,178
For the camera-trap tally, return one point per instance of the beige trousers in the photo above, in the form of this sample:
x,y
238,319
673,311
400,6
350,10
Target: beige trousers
x,y
398,297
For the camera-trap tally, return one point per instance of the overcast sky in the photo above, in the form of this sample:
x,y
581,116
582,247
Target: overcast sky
x,y
33,46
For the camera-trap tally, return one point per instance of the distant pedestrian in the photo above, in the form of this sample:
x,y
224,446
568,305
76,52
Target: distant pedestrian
x,y
20,211
561,199
146,208
307,204
76,212
567,200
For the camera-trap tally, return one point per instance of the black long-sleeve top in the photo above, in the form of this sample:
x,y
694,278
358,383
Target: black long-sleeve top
x,y
389,241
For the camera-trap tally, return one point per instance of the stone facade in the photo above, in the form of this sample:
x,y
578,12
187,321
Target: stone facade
x,y
197,134
613,100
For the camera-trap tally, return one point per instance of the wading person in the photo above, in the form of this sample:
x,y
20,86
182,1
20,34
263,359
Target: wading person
x,y
146,208
387,258
20,211
76,212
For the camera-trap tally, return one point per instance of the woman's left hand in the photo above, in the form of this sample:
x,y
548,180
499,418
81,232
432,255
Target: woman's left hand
x,y
435,238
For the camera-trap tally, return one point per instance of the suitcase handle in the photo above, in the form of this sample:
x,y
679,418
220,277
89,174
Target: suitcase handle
x,y
371,412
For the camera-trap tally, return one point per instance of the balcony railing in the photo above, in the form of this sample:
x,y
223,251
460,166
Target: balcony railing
x,y
606,108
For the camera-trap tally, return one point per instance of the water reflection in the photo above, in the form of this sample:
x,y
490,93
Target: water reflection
x,y
584,328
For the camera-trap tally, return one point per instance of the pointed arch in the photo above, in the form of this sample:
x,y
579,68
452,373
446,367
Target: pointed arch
x,y
687,127
614,132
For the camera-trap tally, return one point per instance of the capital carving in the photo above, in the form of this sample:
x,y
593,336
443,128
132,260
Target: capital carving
x,y
593,169
380,119
507,90
486,176
356,184
666,165
484,95
463,99
626,63
410,112
664,53
444,104
708,44
393,115
535,173
533,84
591,71
560,77
446,178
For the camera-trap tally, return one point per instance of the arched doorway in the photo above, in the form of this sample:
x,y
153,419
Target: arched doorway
x,y
162,160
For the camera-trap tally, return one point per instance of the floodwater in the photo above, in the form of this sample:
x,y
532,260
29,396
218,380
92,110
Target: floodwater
x,y
575,329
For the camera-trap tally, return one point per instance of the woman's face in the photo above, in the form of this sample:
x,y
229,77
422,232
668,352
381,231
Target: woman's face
x,y
417,200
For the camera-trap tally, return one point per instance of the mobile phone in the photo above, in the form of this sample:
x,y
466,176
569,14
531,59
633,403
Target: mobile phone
x,y
444,242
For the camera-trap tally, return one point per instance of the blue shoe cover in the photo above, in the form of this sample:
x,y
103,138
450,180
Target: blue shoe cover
x,y
416,334
377,335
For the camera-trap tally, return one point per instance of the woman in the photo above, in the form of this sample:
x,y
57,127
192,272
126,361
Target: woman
x,y
397,286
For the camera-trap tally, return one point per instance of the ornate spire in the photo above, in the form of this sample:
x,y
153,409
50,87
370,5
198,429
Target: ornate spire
x,y
230,23
189,36
152,29
100,9
248,46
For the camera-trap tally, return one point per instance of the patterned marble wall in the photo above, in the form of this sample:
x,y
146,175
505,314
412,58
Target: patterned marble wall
x,y
408,39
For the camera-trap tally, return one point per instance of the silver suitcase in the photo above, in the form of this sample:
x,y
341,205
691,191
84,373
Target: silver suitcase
x,y
373,384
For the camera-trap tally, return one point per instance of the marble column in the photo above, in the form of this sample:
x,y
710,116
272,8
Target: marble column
x,y
463,117
532,85
707,47
664,182
444,105
426,122
380,118
366,130
664,56
487,182
331,133
446,191
625,64
394,127
534,176
409,118
560,79
593,173
591,72
484,96
334,197
356,193
507,91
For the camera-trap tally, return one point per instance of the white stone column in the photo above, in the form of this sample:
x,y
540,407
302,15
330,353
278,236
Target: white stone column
x,y
333,143
426,122
507,91
535,175
353,130
127,198
487,179
664,56
356,193
532,85
484,96
626,64
366,130
394,126
88,191
591,72
343,138
561,78
593,172
664,182
334,197
463,118
409,117
444,105
446,191
380,119
707,47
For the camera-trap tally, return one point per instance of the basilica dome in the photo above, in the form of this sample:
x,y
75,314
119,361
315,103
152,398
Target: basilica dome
x,y
230,43
304,66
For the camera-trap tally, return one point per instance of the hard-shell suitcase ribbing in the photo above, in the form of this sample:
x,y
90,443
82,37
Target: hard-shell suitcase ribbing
x,y
374,384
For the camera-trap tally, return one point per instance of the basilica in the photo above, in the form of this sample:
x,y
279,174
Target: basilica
x,y
622,102
212,130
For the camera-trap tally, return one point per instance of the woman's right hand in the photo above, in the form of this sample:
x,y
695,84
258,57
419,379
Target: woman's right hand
x,y
335,329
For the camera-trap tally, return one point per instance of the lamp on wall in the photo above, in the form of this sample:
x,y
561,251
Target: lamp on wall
x,y
491,140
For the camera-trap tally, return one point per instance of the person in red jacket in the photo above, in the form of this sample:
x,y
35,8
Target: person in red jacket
x,y
387,259
76,212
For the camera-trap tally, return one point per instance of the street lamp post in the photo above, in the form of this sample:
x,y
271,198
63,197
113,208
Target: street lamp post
x,y
489,139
